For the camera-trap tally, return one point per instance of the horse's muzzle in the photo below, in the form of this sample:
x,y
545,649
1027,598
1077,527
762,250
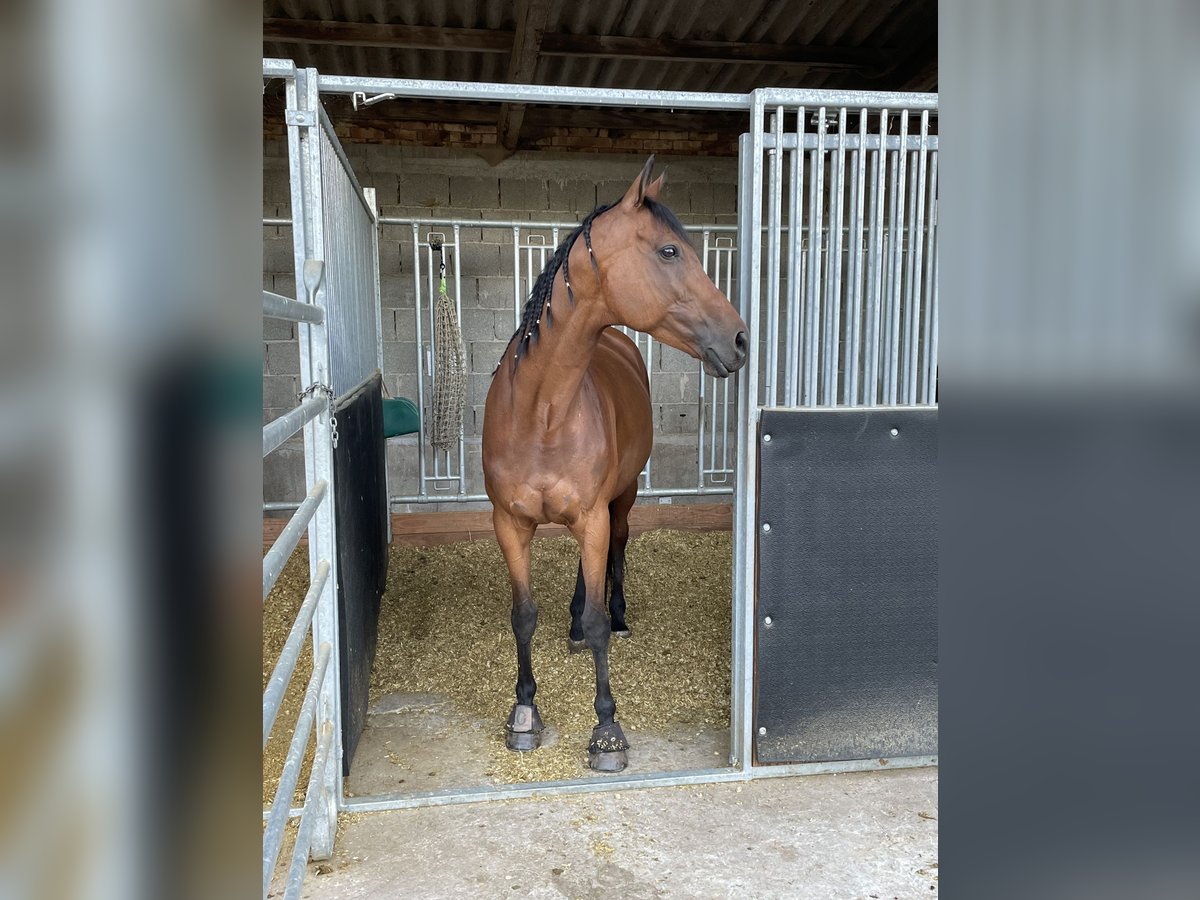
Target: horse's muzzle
x,y
722,367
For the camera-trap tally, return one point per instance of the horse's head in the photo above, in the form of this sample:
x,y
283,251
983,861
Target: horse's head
x,y
653,280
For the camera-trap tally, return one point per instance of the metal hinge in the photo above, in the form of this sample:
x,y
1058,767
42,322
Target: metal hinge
x,y
300,117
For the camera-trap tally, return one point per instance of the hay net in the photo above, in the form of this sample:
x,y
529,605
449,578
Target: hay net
x,y
450,379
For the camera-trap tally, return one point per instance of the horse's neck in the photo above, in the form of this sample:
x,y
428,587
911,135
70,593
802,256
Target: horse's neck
x,y
551,383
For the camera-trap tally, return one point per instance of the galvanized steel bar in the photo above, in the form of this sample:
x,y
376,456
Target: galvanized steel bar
x,y
874,312
462,446
312,798
508,223
833,264
854,314
812,347
916,244
702,407
281,550
517,292
273,832
276,306
493,92
745,568
422,489
290,654
454,797
836,98
929,331
853,142
795,236
771,365
278,68
279,430
896,294
319,366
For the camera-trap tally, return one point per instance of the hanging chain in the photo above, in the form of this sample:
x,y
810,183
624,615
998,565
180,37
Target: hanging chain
x,y
311,391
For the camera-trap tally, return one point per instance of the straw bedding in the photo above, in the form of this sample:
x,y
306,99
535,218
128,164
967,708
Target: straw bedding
x,y
444,629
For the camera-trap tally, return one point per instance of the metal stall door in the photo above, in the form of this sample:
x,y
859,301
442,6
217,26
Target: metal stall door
x,y
340,225
837,530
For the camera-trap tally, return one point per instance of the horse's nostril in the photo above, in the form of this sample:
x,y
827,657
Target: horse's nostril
x,y
740,343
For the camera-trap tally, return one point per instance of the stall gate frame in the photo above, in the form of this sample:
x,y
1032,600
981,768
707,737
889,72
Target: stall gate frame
x,y
761,158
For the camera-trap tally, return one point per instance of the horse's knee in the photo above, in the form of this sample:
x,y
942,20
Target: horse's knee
x,y
524,622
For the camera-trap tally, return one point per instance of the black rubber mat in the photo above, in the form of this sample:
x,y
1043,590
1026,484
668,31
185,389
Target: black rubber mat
x,y
361,501
847,576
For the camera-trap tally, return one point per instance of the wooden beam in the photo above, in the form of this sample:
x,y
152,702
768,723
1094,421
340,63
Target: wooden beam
x,y
428,529
531,26
483,40
398,37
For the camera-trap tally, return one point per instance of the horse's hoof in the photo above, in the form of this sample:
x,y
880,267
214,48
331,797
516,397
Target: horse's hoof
x,y
522,740
606,750
622,633
576,646
523,731
612,761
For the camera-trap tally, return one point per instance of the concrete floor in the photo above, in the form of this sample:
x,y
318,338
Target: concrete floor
x,y
864,835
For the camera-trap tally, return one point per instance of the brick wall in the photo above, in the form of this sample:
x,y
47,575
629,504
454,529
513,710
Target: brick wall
x,y
444,182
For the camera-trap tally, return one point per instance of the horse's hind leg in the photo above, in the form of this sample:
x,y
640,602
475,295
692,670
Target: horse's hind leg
x,y
619,538
606,750
524,725
575,641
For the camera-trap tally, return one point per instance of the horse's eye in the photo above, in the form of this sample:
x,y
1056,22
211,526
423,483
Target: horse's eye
x,y
669,252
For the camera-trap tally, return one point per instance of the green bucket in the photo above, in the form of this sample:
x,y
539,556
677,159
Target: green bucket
x,y
400,416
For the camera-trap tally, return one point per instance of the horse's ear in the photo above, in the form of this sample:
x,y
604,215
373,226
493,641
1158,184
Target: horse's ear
x,y
637,190
654,189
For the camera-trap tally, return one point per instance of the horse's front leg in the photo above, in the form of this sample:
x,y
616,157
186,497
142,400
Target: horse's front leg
x,y
524,727
606,750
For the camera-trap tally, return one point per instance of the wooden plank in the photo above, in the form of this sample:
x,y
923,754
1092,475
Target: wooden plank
x,y
429,529
484,40
531,26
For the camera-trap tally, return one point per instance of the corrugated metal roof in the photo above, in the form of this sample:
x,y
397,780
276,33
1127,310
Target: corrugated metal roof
x,y
899,36
907,27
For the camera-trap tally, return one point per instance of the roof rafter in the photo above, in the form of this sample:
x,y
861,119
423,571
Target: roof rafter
x,y
531,27
483,40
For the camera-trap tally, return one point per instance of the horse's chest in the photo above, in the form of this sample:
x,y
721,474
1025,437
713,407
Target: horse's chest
x,y
557,484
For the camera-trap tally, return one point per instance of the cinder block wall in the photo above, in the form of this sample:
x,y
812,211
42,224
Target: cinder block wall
x,y
424,182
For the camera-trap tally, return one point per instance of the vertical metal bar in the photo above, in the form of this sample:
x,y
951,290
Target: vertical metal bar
x,y
815,219
770,371
518,297
833,262
701,406
462,430
422,484
874,271
927,341
891,374
858,160
916,244
750,268
795,231
431,351
318,446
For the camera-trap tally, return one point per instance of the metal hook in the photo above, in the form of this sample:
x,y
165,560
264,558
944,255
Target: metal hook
x,y
360,99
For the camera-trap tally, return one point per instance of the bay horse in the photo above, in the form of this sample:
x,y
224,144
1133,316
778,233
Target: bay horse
x,y
568,428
